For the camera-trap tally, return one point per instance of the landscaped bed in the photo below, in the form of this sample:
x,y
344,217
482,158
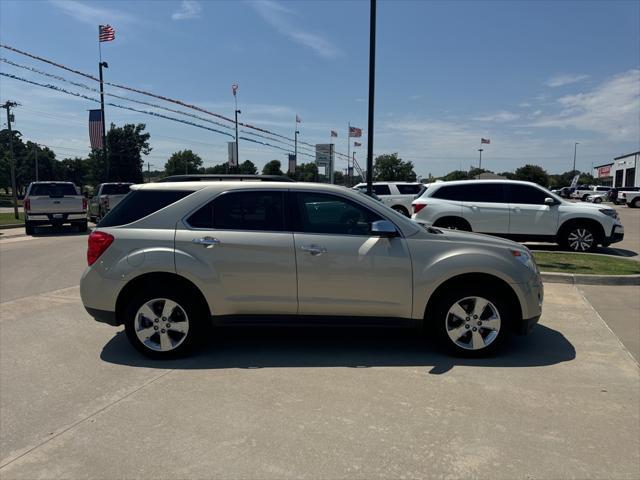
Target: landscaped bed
x,y
585,263
9,218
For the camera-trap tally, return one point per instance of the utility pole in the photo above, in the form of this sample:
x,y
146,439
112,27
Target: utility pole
x,y
102,64
7,106
372,81
480,166
35,153
149,172
234,90
295,145
575,150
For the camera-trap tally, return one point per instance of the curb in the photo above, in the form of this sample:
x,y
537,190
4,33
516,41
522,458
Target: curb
x,y
11,225
585,279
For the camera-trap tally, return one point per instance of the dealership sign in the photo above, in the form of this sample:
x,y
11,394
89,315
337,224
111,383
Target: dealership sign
x,y
604,171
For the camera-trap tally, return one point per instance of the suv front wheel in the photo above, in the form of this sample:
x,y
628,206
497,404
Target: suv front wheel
x,y
163,324
471,321
579,238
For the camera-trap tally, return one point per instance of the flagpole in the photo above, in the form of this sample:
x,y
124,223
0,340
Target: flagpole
x,y
349,152
104,123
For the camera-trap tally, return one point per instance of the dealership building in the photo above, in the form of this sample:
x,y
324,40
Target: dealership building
x,y
624,171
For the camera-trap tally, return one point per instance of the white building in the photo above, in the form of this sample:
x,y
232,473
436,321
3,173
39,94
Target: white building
x,y
624,171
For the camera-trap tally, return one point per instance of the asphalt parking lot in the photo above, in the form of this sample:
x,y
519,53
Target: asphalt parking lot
x,y
77,402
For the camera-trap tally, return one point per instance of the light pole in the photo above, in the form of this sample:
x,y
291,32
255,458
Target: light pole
x,y
372,82
295,147
575,149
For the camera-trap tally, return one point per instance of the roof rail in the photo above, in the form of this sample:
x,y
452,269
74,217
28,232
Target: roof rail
x,y
223,178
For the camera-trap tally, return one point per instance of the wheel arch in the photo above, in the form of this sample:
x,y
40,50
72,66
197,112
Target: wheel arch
x,y
572,222
162,278
484,279
453,218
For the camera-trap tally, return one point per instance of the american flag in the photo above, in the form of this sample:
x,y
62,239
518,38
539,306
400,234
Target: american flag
x,y
95,129
298,119
334,133
355,132
485,140
357,144
106,33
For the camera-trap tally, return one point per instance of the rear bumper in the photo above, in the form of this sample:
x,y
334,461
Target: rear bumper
x,y
103,316
55,218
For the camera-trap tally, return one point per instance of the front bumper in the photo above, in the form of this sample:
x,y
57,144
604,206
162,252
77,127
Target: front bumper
x,y
525,325
617,235
103,316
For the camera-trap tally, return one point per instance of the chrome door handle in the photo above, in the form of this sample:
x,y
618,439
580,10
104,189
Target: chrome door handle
x,y
206,241
314,250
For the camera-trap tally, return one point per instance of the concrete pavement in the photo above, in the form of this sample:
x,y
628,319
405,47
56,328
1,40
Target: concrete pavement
x,y
78,402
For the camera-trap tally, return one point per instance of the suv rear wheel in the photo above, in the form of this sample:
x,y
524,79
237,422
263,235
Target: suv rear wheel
x,y
165,323
635,203
401,209
472,321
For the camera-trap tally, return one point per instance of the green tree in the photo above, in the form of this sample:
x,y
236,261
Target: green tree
x,y
338,178
184,161
455,175
74,170
508,175
533,173
305,172
248,168
272,168
125,147
390,167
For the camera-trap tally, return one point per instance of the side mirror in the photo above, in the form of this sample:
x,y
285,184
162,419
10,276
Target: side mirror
x,y
549,201
384,228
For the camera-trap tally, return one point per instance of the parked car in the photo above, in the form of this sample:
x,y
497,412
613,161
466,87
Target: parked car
x,y
107,196
583,193
397,195
613,194
172,259
522,211
631,198
597,197
55,204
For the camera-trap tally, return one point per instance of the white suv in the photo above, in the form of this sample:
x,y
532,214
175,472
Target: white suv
x,y
172,259
522,211
397,195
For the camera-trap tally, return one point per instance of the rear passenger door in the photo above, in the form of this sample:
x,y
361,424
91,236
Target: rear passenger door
x,y
485,207
529,214
238,248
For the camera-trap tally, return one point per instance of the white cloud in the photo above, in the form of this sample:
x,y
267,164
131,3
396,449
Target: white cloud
x,y
88,13
279,17
565,79
189,9
611,109
498,117
524,105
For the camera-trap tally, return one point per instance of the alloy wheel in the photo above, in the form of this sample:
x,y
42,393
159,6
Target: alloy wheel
x,y
580,240
473,323
161,324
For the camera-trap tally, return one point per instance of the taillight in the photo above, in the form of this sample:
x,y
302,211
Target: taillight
x,y
84,204
27,205
98,243
418,206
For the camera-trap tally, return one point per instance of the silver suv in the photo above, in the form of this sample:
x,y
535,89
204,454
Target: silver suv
x,y
172,259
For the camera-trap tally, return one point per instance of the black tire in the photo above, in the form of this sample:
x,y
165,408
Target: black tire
x,y
597,200
190,311
401,209
83,227
28,228
444,324
635,203
453,223
579,237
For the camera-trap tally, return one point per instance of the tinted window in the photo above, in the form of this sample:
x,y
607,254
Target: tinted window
x,y
140,203
449,193
381,189
322,213
115,189
527,194
409,189
52,190
242,211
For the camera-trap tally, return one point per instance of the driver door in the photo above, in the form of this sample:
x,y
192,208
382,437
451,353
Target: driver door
x,y
342,269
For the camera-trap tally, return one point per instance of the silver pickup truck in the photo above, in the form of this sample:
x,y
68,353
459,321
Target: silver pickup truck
x,y
107,196
56,204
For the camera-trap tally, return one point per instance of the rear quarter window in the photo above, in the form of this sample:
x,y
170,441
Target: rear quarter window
x,y
381,189
409,189
139,204
115,189
451,192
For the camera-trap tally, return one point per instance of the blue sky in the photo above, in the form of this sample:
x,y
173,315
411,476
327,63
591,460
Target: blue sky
x,y
534,77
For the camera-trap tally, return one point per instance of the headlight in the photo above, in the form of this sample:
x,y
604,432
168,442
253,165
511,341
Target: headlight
x,y
610,212
525,258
